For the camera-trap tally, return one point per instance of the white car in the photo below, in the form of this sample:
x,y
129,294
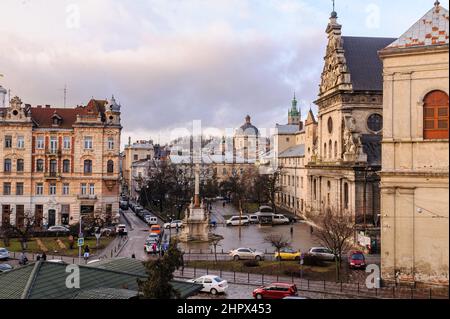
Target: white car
x,y
148,247
322,253
151,220
4,254
174,224
212,284
246,253
56,261
279,219
254,219
237,220
121,228
58,229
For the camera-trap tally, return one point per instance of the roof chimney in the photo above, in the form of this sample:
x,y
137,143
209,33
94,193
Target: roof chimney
x,y
39,106
47,106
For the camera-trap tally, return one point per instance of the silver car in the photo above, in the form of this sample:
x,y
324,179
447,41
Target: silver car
x,y
322,253
4,254
58,229
246,253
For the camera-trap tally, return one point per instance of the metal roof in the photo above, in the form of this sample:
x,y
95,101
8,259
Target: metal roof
x,y
295,151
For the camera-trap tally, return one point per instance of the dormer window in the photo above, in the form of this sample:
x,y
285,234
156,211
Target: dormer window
x,y
56,119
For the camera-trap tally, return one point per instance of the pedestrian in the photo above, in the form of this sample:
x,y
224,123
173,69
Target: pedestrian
x,y
38,257
133,256
154,248
223,204
23,259
311,229
44,256
86,252
292,230
177,228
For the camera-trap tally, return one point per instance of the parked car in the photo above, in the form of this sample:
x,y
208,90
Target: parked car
x,y
287,253
322,253
279,219
156,229
58,229
131,205
174,224
246,253
151,220
254,219
4,254
356,260
5,267
93,261
212,284
237,220
275,291
121,229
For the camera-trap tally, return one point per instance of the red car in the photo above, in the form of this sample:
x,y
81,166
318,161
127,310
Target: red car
x,y
356,260
275,291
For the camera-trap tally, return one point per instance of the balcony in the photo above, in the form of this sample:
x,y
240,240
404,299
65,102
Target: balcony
x,y
89,197
52,176
53,152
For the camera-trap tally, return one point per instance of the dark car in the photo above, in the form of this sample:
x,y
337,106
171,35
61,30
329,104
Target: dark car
x,y
356,260
124,205
275,291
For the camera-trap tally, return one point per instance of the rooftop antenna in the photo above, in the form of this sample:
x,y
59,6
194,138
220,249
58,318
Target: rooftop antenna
x,y
65,94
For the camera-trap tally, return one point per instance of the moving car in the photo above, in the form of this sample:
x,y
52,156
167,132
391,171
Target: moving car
x,y
151,220
246,253
58,229
322,253
279,219
287,253
148,247
121,229
356,260
153,237
4,254
155,229
212,284
275,291
124,205
237,220
5,267
174,224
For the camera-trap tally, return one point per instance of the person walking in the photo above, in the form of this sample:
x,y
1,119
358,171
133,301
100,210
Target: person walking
x,y
86,252
44,256
292,230
311,229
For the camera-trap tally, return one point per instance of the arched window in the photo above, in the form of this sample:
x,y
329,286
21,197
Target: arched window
x,y
110,167
87,166
325,150
330,149
435,115
346,195
7,167
315,189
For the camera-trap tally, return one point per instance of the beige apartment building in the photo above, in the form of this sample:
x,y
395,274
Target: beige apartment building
x,y
415,175
59,163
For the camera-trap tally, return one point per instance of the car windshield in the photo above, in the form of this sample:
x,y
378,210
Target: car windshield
x,y
218,279
358,257
3,250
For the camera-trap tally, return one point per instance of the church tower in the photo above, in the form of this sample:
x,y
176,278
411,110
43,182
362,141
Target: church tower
x,y
294,114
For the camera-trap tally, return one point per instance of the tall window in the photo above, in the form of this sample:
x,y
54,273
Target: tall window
x,y
66,189
110,143
66,166
66,142
315,189
6,188
88,142
435,115
53,144
20,142
40,144
52,189
91,189
39,165
19,189
325,150
330,149
335,149
83,189
39,189
53,167
7,165
346,195
20,165
110,167
87,166
8,141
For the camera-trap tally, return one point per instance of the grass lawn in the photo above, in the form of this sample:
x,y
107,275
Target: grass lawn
x,y
53,248
287,268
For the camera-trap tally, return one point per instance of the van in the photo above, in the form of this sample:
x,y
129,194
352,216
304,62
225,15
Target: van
x,y
151,220
237,220
254,219
279,219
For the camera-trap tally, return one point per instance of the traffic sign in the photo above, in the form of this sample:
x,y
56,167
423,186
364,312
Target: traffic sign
x,y
80,242
98,235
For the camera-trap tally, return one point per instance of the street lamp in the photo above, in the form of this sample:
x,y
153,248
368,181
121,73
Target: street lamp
x,y
80,235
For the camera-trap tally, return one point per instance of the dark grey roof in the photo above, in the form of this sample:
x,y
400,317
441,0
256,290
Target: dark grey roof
x,y
248,130
287,129
295,151
365,66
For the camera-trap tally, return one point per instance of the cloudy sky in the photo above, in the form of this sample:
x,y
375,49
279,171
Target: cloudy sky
x,y
169,62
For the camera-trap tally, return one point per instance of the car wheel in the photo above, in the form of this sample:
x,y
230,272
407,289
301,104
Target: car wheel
x,y
258,296
258,258
236,257
213,291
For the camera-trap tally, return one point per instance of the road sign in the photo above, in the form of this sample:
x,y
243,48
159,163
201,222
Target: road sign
x,y
80,242
98,235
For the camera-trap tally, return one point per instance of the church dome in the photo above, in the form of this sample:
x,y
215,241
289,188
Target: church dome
x,y
248,129
3,90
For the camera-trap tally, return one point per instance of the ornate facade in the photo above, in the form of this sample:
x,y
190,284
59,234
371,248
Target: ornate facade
x,y
415,174
58,163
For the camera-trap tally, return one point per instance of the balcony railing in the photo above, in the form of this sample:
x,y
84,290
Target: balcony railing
x,y
52,175
84,196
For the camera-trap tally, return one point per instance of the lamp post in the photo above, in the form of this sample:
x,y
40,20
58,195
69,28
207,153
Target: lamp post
x,y
80,235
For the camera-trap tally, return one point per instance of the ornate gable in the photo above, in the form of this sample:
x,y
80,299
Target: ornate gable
x,y
16,113
335,75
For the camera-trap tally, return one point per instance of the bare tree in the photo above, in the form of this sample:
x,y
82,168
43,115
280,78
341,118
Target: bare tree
x,y
271,187
216,239
24,230
334,232
278,242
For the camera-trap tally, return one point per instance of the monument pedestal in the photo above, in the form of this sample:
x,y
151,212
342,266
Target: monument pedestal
x,y
196,225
